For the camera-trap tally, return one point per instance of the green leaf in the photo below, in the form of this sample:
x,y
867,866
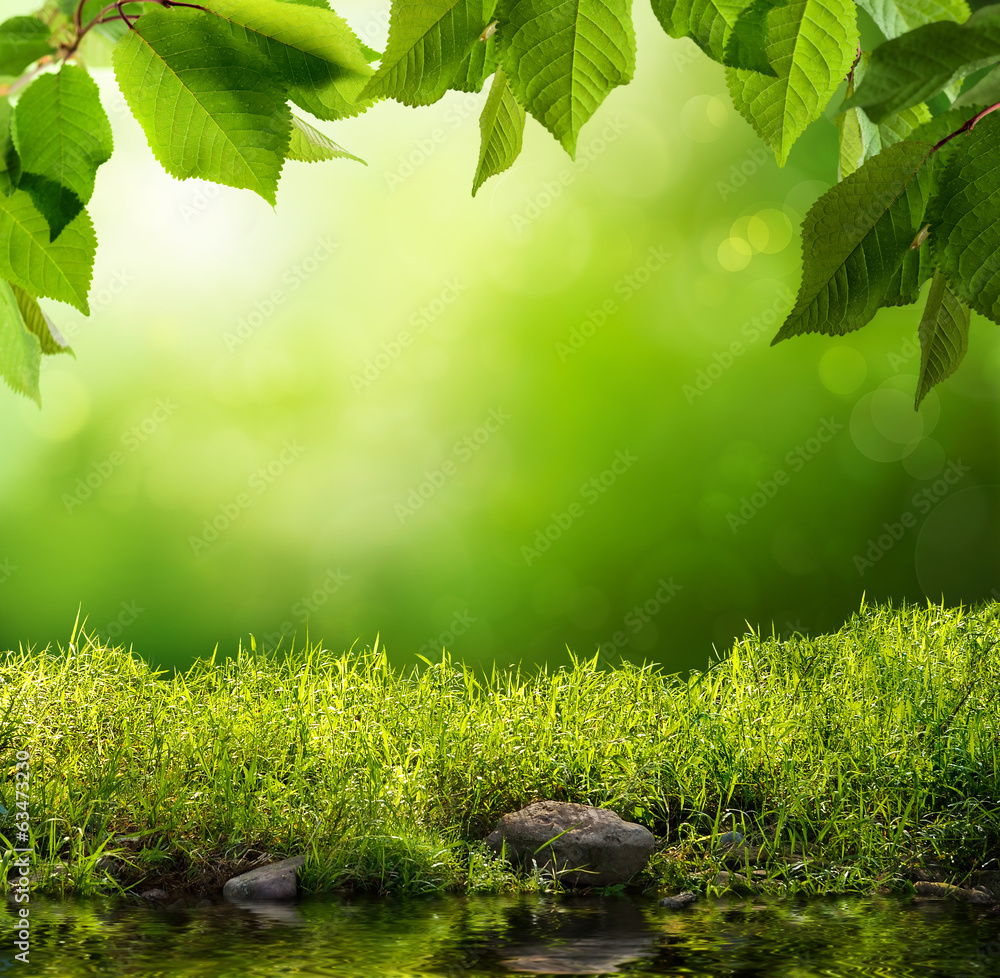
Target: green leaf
x,y
861,139
918,65
965,222
62,136
312,49
10,164
481,62
59,269
747,44
562,58
944,335
811,45
309,145
916,268
985,92
501,126
854,239
428,41
22,41
895,17
37,322
20,352
732,32
210,109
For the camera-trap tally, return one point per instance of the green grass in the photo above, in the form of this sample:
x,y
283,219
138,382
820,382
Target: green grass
x,y
849,756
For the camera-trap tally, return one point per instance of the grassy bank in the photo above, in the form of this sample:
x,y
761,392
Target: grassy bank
x,y
850,757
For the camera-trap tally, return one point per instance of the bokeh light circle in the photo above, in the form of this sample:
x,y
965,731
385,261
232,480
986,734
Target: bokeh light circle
x,y
779,230
734,254
926,461
842,370
703,118
884,425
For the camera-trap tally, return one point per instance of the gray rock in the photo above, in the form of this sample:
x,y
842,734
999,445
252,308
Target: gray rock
x,y
273,882
945,891
733,838
678,901
586,846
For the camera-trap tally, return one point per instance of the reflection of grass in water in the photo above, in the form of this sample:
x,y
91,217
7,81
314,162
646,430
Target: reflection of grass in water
x,y
850,755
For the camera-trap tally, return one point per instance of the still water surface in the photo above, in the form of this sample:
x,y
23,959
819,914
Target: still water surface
x,y
464,937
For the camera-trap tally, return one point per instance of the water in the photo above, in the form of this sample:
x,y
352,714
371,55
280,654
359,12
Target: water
x,y
479,936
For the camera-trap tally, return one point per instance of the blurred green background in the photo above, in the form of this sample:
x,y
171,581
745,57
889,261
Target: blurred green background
x,y
508,424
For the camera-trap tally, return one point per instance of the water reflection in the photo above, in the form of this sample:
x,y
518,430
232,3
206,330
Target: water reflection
x,y
476,937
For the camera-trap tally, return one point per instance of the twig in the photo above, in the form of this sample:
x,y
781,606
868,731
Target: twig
x,y
966,127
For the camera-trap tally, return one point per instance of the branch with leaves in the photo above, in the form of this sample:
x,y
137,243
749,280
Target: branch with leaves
x,y
217,87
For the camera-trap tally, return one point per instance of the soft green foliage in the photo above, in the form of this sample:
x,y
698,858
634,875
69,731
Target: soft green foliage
x,y
867,751
428,42
985,92
22,40
859,232
62,136
501,126
966,239
481,62
209,109
314,51
944,335
563,58
895,17
212,84
25,334
309,145
10,164
811,45
59,269
861,139
733,32
917,65
20,350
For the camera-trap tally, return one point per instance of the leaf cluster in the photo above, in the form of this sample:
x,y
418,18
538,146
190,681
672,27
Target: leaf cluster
x,y
217,87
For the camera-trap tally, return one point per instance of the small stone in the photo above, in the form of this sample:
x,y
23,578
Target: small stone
x,y
586,846
276,881
944,891
678,901
154,894
733,838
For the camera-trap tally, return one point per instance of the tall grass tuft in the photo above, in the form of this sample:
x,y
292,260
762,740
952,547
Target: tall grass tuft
x,y
856,754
